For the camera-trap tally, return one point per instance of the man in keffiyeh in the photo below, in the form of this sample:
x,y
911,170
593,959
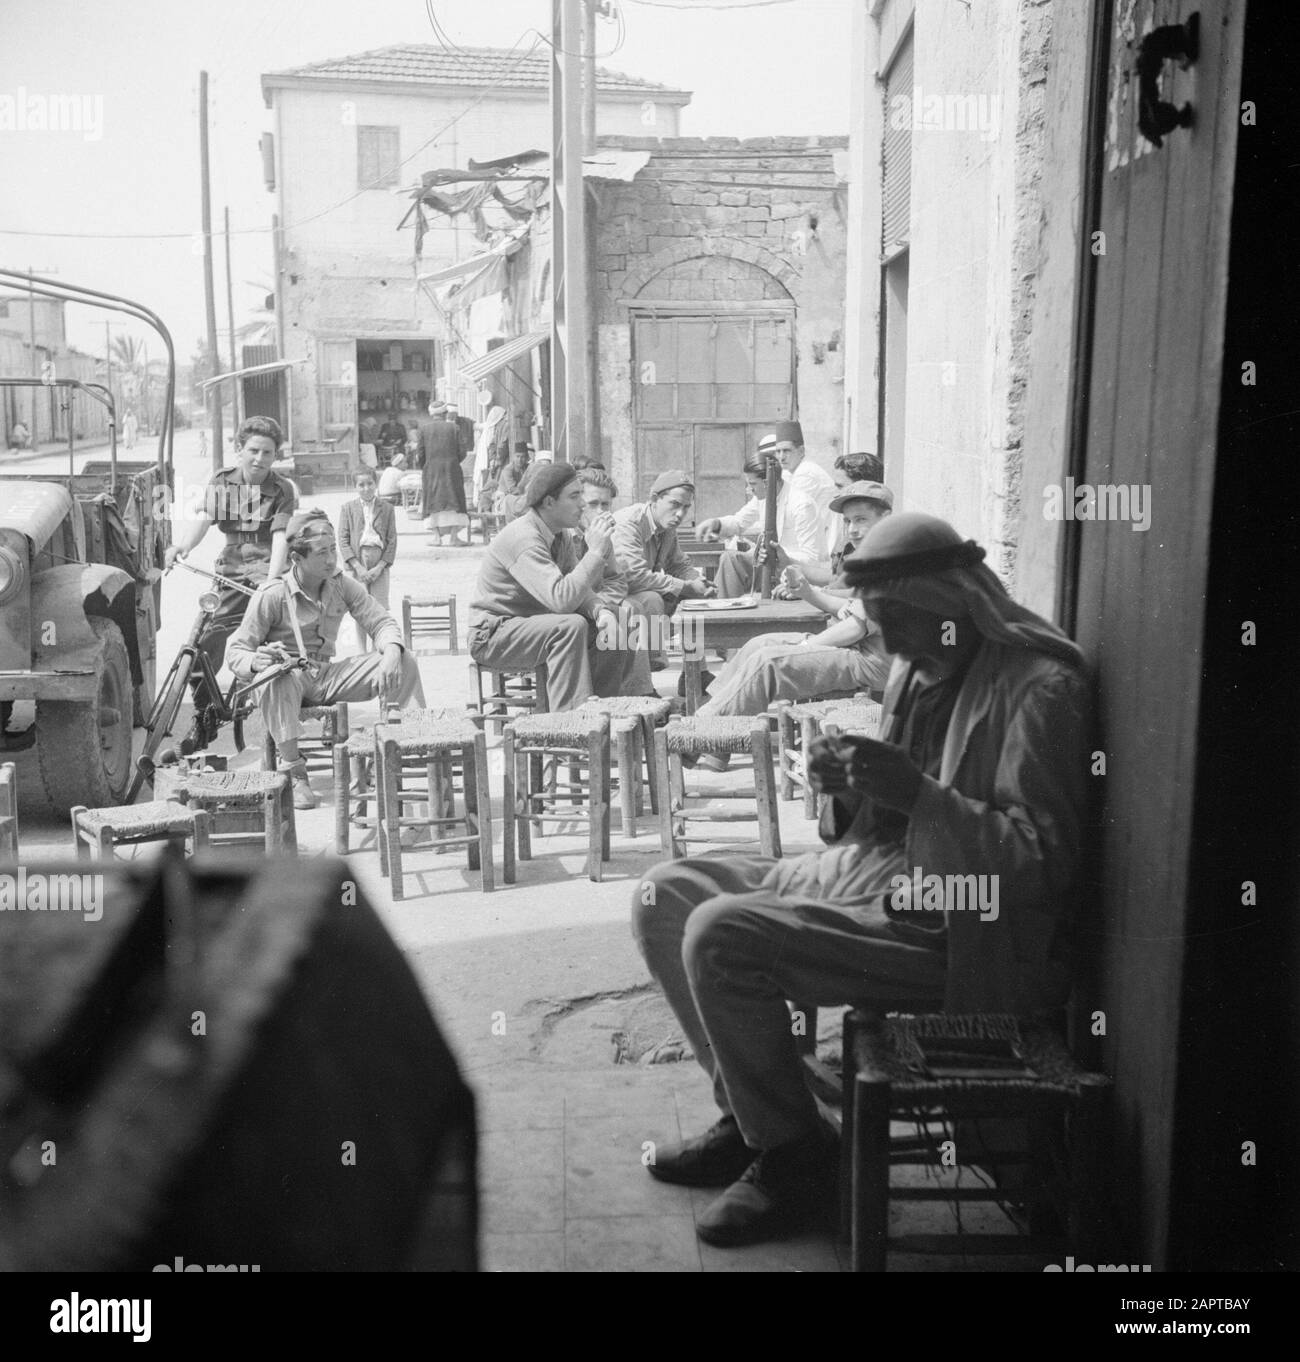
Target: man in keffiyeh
x,y
954,847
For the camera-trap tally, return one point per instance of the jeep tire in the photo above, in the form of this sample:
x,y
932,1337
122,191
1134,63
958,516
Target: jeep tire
x,y
84,746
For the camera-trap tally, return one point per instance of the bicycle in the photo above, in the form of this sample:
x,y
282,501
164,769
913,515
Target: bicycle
x,y
232,707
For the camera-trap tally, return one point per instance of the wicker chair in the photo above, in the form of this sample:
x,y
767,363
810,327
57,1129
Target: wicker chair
x,y
426,617
535,748
427,737
247,807
317,752
931,1068
633,720
693,737
97,833
851,714
351,809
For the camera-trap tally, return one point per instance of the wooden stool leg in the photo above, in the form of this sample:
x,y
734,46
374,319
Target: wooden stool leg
x,y
202,831
437,805
769,818
508,807
808,731
451,626
665,790
290,821
477,763
785,746
606,801
272,818
342,797
596,808
381,810
677,804
870,1179
471,808
406,624
526,797
647,754
391,827
1089,1188
627,778
79,842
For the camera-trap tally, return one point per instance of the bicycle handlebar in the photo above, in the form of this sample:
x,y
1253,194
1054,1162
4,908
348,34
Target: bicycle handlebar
x,y
216,577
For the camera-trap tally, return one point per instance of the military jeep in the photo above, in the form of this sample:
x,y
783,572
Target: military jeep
x,y
80,594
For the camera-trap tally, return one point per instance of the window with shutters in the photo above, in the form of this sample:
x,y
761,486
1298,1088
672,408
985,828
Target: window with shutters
x,y
896,157
378,158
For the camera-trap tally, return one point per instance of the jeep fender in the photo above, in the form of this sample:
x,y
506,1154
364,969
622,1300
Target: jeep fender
x,y
63,596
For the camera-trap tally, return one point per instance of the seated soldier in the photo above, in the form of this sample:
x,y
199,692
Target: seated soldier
x,y
298,616
982,777
848,655
800,532
659,574
537,600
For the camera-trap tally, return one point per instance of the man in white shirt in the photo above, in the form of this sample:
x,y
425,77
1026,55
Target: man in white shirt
x,y
805,476
800,531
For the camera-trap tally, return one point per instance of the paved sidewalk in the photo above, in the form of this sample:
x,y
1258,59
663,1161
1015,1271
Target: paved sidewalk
x,y
538,987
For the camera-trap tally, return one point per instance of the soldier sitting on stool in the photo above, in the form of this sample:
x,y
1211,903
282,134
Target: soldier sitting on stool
x,y
298,616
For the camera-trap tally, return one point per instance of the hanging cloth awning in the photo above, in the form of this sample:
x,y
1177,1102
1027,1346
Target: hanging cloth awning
x,y
478,369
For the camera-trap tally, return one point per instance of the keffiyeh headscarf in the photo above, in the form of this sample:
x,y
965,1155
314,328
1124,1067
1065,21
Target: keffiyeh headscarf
x,y
922,561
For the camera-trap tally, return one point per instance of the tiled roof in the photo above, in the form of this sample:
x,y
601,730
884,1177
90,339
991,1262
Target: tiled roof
x,y
427,64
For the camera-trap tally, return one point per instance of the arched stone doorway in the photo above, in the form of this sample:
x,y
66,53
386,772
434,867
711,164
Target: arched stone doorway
x,y
713,365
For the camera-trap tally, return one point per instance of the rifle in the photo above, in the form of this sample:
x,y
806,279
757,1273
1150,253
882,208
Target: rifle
x,y
765,556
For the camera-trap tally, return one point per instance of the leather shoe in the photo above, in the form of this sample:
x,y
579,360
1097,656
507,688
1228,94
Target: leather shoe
x,y
714,1159
782,1192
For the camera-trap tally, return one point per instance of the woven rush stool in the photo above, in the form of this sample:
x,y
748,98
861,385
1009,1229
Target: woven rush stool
x,y
694,737
247,807
535,747
433,741
98,832
351,808
8,812
522,690
318,753
426,617
412,489
855,716
933,1067
632,723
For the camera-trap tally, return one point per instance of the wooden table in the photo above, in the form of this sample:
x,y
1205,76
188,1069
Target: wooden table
x,y
722,629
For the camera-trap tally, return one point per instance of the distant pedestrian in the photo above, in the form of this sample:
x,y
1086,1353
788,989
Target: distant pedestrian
x,y
130,427
445,509
368,542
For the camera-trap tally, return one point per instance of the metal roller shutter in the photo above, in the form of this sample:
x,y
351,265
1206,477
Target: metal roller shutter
x,y
897,152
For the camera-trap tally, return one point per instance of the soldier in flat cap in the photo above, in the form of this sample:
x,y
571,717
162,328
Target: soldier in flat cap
x,y
297,616
538,600
659,574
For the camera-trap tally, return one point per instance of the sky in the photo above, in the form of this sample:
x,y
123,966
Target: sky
x,y
116,205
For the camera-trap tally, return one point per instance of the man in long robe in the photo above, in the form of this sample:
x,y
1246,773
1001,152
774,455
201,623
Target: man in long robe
x,y
983,771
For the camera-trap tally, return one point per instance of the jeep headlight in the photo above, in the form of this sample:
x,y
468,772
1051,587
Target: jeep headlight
x,y
13,574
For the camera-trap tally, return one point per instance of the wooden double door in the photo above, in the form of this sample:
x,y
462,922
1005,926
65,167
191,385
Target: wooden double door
x,y
707,387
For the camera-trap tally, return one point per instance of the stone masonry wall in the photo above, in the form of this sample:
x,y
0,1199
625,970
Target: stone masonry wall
x,y
726,221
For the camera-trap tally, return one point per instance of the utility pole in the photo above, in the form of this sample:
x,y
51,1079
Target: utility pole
x,y
230,319
571,395
589,76
108,363
209,297
33,439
